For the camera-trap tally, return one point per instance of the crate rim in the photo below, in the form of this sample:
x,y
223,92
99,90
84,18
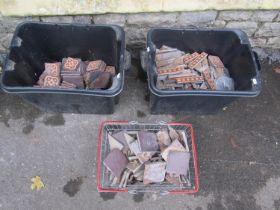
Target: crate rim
x,y
172,192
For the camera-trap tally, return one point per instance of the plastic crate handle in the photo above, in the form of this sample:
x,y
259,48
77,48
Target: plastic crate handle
x,y
257,60
127,60
144,58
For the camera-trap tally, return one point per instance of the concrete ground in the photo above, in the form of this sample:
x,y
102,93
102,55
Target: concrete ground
x,y
238,150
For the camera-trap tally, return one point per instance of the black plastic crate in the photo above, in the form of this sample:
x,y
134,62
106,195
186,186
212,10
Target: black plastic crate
x,y
34,43
234,49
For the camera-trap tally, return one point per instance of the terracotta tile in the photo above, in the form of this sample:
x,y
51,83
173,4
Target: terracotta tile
x,y
171,84
119,136
70,64
50,81
148,141
178,163
197,60
134,147
116,162
114,144
165,47
188,58
201,65
145,156
97,65
174,146
154,172
217,72
111,70
181,60
53,69
74,79
91,76
163,138
209,80
164,63
171,70
168,55
101,82
42,78
189,79
184,73
173,134
184,139
65,84
129,139
215,61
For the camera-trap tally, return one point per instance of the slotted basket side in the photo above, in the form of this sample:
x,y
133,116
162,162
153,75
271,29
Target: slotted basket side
x,y
103,183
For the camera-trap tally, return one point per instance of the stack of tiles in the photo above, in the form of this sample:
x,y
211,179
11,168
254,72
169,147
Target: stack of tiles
x,y
179,71
98,75
147,157
51,75
74,73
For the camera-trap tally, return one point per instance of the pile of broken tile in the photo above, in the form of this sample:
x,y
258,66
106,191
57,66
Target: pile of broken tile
x,y
144,157
177,70
74,73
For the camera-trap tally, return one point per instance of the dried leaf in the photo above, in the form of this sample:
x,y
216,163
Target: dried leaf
x,y
37,183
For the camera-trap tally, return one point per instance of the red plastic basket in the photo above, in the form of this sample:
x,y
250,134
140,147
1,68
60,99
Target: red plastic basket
x,y
103,184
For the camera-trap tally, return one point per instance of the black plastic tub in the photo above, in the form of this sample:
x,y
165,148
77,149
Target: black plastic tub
x,y
234,49
35,43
